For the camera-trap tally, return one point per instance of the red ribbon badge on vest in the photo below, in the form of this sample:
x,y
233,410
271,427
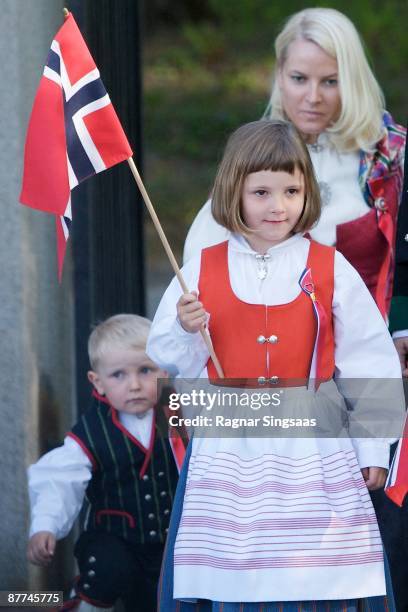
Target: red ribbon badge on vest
x,y
307,286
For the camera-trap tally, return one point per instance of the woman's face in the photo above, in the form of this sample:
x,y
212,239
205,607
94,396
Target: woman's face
x,y
308,81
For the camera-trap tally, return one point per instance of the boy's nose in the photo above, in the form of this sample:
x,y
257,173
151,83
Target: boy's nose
x,y
134,382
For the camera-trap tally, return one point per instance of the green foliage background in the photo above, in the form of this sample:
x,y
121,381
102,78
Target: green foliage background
x,y
207,69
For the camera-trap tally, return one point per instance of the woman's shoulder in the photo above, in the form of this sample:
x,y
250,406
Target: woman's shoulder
x,y
394,135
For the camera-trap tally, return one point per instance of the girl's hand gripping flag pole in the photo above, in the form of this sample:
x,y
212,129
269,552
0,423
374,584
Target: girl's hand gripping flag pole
x,y
172,259
74,133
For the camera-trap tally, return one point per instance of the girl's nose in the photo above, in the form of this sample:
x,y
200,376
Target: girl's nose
x,y
276,205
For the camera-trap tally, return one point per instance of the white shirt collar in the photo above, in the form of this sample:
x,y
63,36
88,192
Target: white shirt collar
x,y
240,244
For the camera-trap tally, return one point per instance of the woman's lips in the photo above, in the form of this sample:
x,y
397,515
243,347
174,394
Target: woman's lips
x,y
314,114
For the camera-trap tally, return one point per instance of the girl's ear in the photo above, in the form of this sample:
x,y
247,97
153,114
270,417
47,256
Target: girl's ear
x,y
95,381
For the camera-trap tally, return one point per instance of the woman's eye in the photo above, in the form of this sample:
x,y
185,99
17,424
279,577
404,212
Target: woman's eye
x,y
331,82
298,78
293,191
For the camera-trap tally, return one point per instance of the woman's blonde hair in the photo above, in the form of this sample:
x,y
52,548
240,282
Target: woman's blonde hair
x,y
359,125
122,331
262,145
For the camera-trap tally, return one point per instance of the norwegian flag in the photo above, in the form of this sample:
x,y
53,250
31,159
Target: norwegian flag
x,y
396,486
73,131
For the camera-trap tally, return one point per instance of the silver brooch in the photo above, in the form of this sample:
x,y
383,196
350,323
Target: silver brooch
x,y
262,261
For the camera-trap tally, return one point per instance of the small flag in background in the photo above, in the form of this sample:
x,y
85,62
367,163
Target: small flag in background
x,y
396,486
73,132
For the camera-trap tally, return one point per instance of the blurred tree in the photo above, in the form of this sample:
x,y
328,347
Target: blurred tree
x,y
208,67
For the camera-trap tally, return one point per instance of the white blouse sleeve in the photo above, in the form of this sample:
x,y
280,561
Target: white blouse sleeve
x,y
57,485
169,345
204,232
365,360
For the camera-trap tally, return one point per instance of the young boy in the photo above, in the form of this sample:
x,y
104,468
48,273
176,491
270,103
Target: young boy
x,y
117,457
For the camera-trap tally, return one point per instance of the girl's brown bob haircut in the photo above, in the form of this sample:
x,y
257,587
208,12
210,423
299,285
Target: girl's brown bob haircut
x,y
262,145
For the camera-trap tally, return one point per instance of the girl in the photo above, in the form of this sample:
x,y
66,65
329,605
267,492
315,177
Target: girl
x,y
272,523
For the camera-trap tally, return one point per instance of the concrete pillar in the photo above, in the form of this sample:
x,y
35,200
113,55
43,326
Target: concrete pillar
x,y
36,320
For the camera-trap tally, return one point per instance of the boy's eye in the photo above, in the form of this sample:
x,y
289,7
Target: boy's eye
x,y
118,374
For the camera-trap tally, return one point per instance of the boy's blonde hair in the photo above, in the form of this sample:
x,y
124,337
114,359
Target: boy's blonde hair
x,y
359,125
122,331
262,145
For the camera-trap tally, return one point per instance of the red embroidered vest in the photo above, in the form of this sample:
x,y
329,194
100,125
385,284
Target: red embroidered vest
x,y
270,344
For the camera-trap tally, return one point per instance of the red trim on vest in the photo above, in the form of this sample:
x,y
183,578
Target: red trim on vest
x,y
146,451
100,397
84,448
288,329
119,425
94,602
177,449
109,511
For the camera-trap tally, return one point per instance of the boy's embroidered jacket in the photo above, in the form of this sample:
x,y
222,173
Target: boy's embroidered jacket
x,y
132,487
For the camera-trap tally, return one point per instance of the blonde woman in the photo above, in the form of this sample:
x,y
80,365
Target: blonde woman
x,y
324,85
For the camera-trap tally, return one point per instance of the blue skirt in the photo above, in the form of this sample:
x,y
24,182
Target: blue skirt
x,y
166,603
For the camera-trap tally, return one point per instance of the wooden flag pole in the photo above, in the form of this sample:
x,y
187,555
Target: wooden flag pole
x,y
172,259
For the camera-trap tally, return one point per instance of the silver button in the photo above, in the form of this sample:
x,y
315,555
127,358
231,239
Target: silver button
x,y
161,474
151,516
91,560
148,497
153,533
380,204
166,512
163,494
273,339
262,380
261,339
406,237
274,380
145,477
86,586
91,573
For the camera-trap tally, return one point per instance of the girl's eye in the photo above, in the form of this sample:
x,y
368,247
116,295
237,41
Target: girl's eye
x,y
293,191
260,192
331,82
146,370
298,78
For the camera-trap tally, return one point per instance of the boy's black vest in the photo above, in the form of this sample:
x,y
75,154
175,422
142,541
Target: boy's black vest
x,y
132,488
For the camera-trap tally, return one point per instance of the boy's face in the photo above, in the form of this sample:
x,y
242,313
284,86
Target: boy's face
x,y
128,379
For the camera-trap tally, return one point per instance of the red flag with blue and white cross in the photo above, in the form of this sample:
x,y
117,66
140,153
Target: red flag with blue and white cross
x,y
73,132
